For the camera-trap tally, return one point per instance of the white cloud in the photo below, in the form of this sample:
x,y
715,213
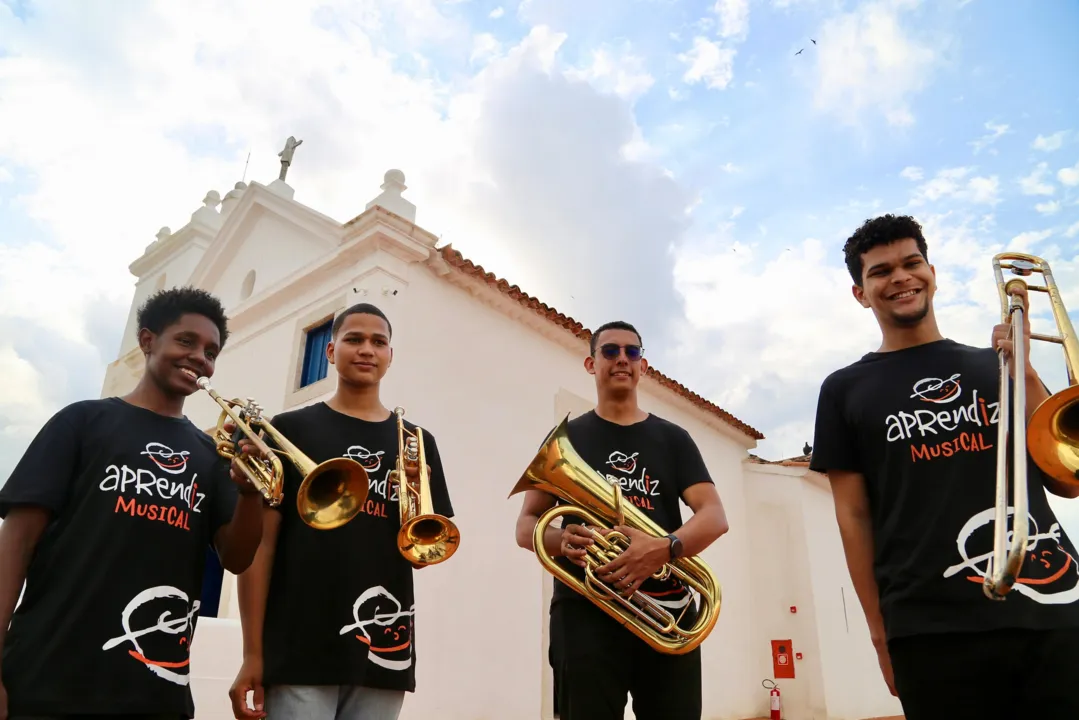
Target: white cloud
x,y
733,18
497,13
708,62
996,131
485,48
911,173
1048,208
616,69
954,184
1049,143
1033,184
1069,176
868,60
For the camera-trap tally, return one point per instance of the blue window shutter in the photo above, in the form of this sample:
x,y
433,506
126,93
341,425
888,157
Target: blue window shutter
x,y
211,585
315,364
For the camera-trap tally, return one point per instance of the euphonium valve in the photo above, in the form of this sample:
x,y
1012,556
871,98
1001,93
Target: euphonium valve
x,y
1053,429
557,469
425,537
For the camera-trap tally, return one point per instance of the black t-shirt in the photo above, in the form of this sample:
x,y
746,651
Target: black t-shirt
x,y
112,591
653,461
921,425
340,609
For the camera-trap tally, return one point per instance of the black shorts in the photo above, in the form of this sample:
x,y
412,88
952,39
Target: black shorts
x,y
597,663
1006,674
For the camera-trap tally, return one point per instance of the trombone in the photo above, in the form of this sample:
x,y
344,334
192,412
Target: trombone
x,y
425,537
1053,428
342,480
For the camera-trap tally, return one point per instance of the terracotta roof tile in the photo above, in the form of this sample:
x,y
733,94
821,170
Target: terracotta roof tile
x,y
466,266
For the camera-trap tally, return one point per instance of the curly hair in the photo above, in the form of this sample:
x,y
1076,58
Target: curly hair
x,y
166,307
882,230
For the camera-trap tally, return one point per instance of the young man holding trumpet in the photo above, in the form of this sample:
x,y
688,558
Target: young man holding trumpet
x,y
908,437
107,517
327,606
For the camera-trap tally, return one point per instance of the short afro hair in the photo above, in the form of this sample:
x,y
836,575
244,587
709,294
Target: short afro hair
x,y
166,307
883,230
613,325
359,309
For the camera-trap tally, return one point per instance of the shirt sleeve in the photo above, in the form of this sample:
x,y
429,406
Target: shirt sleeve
x,y
834,440
688,460
440,493
44,474
225,496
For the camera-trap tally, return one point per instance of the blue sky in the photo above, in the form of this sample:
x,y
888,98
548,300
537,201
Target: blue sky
x,y
672,163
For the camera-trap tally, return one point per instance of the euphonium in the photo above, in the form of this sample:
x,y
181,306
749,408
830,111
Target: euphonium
x,y
1053,429
331,493
425,537
558,470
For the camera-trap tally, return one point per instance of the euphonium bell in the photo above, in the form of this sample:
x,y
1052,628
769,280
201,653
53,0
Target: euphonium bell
x,y
1053,429
558,470
425,537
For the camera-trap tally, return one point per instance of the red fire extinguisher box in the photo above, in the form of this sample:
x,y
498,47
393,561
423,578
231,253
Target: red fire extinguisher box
x,y
782,659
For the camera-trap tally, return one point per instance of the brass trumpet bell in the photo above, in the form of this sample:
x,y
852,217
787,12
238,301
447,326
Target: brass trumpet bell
x,y
425,537
332,493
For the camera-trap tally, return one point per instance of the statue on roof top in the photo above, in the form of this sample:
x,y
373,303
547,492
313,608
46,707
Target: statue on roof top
x,y
286,155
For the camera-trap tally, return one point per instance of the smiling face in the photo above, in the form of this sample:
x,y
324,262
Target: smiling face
x,y
617,362
898,284
183,351
360,351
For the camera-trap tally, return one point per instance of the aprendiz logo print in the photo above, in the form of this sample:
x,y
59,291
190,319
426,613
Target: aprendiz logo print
x,y
637,485
148,492
157,626
384,626
623,463
168,460
936,390
1049,576
380,490
949,426
370,460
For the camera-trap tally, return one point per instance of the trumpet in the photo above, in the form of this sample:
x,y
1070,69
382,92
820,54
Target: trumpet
x,y
1053,428
425,537
559,470
265,473
343,479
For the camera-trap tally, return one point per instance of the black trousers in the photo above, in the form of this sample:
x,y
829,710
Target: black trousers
x,y
1005,674
597,663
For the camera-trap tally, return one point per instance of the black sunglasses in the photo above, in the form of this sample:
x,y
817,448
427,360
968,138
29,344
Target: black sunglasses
x,y
611,350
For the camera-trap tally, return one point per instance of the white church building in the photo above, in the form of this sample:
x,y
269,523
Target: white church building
x,y
789,612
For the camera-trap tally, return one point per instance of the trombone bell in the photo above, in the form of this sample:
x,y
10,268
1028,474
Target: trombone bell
x,y
1053,428
425,537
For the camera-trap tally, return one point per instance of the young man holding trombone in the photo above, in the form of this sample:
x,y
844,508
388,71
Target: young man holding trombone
x,y
107,518
327,606
910,436
643,466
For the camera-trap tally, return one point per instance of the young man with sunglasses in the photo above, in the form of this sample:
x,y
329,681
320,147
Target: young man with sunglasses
x,y
596,661
107,518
